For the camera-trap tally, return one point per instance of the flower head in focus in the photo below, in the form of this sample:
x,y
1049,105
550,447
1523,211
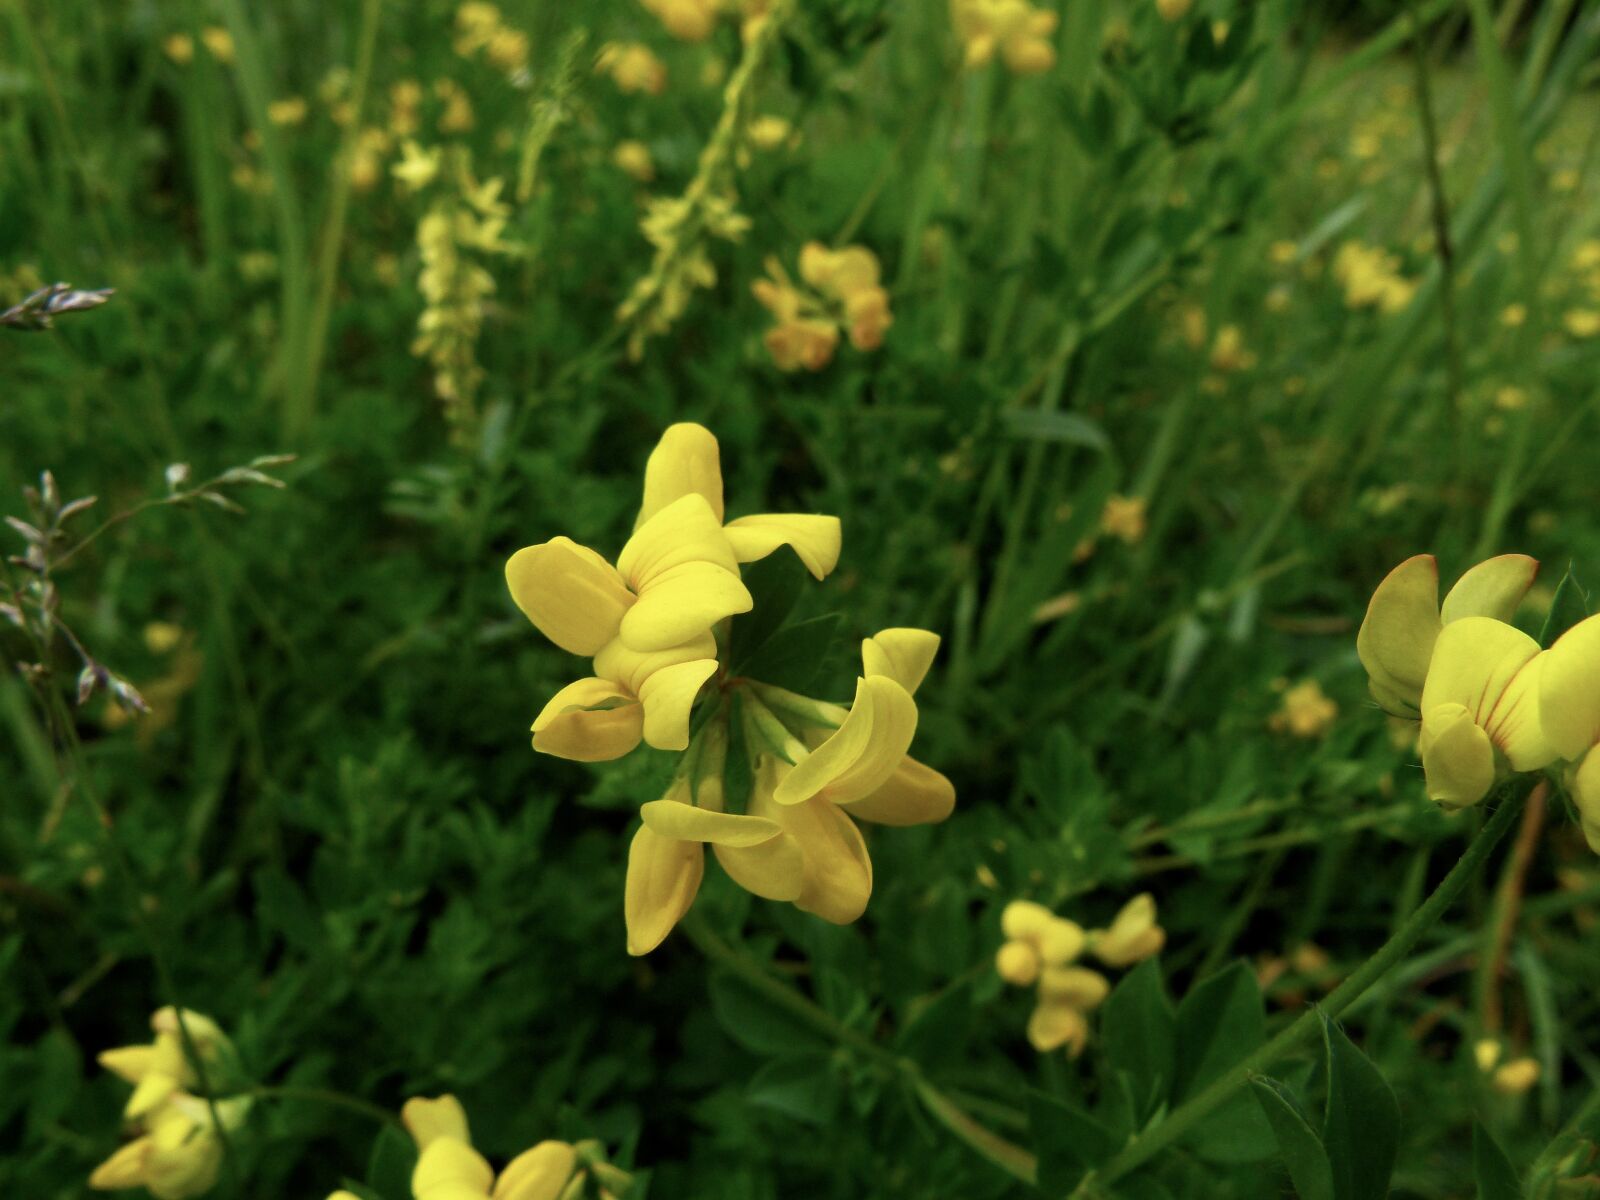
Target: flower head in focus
x,y
1013,30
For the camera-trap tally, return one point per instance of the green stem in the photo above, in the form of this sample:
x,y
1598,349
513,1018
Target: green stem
x,y
314,1095
1008,1156
1187,1115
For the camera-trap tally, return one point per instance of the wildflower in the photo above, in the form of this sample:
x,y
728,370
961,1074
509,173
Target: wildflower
x,y
179,47
405,105
417,167
161,1068
1123,517
1306,712
1404,618
769,132
844,295
177,1152
1035,939
1371,278
1581,322
686,20
1513,316
476,24
219,42
1015,30
1569,716
1066,996
1133,937
290,110
1516,1076
633,159
1228,352
449,1168
632,67
1510,398
457,114
508,50
1282,252
366,163
1173,10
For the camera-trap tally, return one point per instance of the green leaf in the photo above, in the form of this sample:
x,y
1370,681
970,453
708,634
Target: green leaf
x,y
1568,606
1034,425
756,1023
1067,1141
394,1157
1220,1022
1361,1128
1497,1178
1138,1029
283,906
1302,1150
793,657
775,584
801,1086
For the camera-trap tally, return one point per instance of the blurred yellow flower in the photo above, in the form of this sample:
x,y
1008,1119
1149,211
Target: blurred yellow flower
x,y
1133,936
1512,316
1306,711
1510,398
161,1068
1569,715
1173,10
1516,1076
633,159
687,20
457,115
449,1168
1371,278
1586,254
632,67
769,132
417,167
1581,322
1124,518
290,110
843,293
219,42
179,47
405,103
1035,939
1228,352
1012,29
176,1152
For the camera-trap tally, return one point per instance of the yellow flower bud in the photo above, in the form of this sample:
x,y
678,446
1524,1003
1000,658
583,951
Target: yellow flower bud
x,y
1017,963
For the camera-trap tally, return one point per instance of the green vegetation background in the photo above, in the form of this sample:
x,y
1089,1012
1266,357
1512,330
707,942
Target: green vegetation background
x,y
343,846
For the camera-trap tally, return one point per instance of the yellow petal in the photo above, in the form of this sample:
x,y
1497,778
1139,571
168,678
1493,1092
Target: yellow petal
x,y
773,870
132,1063
816,539
427,1120
1055,1025
663,876
1513,724
628,669
1017,963
685,461
685,531
668,696
151,1091
1489,668
1493,588
572,726
1585,787
124,1169
914,795
1133,936
837,878
1396,639
572,595
672,819
1569,689
1080,987
537,1174
863,753
1059,941
904,655
1457,757
450,1169
1023,919
681,603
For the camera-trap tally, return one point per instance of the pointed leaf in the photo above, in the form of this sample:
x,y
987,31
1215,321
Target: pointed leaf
x,y
1361,1129
1067,1140
1497,1178
1302,1150
1220,1022
1138,1029
1569,606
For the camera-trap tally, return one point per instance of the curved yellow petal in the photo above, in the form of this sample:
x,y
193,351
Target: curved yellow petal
x,y
685,461
1513,724
1053,1026
628,669
427,1120
1474,661
1024,920
592,720
571,594
1017,963
150,1092
450,1169
1569,689
837,873
541,1173
681,603
1457,757
816,539
685,531
863,753
673,819
904,655
663,876
124,1169
1395,642
1133,936
1493,588
668,697
1060,941
131,1063
915,794
1585,787
773,870
1081,987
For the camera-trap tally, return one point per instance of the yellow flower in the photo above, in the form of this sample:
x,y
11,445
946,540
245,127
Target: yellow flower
x,y
417,167
1403,620
177,1153
1513,315
1015,30
1036,939
457,114
1133,937
846,295
632,67
1228,352
508,49
686,20
1569,716
633,159
1371,278
179,47
1306,712
1173,10
1517,1076
1066,996
769,132
161,1068
1124,518
1582,322
291,110
219,41
448,1168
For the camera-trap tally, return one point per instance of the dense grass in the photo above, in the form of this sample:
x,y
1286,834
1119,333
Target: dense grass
x,y
1116,279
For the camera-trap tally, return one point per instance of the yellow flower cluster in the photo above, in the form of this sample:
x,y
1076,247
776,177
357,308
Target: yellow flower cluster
x,y
1042,948
176,1148
686,20
480,27
632,67
450,1168
1306,712
179,47
842,292
1371,278
1490,701
1013,30
651,624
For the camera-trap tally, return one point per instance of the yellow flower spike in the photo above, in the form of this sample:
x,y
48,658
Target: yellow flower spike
x,y
571,594
1053,1026
837,880
427,1120
1081,987
904,655
683,571
450,1169
1492,670
1569,690
1133,936
862,754
541,1173
592,720
1404,618
1017,963
664,875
